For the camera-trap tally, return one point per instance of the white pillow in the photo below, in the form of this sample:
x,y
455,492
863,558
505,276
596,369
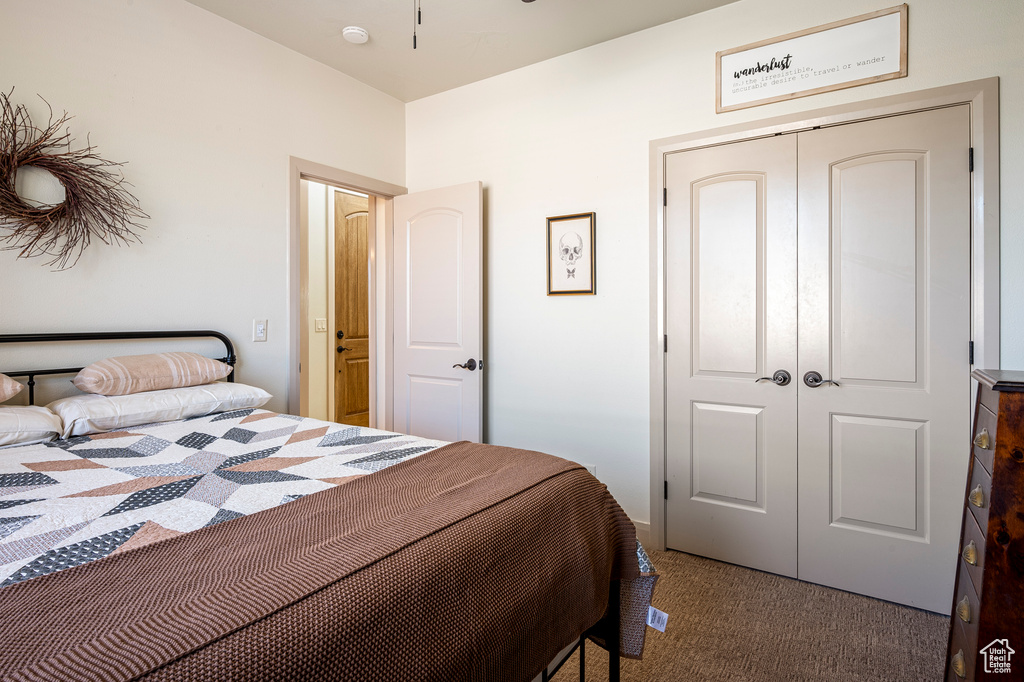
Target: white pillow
x,y
25,425
85,414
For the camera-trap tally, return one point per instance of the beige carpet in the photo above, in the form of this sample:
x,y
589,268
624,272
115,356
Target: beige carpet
x,y
728,623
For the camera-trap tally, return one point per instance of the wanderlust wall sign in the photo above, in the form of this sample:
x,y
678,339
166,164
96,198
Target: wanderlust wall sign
x,y
843,54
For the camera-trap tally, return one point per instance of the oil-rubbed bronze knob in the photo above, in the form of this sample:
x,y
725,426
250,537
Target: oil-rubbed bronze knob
x,y
970,553
977,497
982,440
958,665
963,609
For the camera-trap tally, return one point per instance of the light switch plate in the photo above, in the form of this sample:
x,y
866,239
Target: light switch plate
x,y
259,330
320,324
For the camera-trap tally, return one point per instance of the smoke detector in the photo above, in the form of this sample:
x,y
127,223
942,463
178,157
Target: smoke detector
x,y
354,34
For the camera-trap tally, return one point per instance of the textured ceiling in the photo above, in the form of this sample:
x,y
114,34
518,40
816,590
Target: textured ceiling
x,y
458,41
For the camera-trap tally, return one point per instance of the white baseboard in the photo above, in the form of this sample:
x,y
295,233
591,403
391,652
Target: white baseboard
x,y
643,532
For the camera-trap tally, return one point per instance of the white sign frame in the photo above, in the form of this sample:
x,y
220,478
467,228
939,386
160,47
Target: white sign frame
x,y
865,49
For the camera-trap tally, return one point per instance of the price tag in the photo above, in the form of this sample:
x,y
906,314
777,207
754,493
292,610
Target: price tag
x,y
656,619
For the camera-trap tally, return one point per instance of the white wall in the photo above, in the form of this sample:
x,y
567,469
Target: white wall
x,y
569,375
207,114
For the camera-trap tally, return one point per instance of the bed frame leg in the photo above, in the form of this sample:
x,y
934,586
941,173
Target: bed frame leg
x,y
614,607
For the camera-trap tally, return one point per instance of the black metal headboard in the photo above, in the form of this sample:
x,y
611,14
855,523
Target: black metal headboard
x,y
229,358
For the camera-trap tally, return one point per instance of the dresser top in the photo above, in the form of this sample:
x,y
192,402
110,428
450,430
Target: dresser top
x,y
1000,379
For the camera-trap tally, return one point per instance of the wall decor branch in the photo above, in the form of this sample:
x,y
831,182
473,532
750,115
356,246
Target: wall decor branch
x,y
97,203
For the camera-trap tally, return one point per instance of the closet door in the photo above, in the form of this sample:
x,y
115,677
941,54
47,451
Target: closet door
x,y
731,319
884,304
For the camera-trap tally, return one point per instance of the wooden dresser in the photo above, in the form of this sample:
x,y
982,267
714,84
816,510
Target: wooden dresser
x,y
987,621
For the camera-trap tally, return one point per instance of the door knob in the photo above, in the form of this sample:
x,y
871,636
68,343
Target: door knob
x,y
342,349
780,378
469,364
341,335
813,380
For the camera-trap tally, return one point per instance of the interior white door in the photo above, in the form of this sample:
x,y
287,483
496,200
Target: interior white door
x,y
884,263
438,313
730,296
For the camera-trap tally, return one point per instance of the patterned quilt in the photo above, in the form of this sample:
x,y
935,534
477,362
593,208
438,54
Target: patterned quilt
x,y
72,501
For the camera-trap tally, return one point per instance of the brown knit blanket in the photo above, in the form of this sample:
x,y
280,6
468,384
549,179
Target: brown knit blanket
x,y
471,562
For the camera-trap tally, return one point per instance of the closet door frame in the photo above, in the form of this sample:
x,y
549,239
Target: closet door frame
x,y
983,98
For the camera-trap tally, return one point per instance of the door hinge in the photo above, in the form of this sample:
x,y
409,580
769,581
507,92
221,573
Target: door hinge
x,y
665,341
971,352
970,160
666,490
664,196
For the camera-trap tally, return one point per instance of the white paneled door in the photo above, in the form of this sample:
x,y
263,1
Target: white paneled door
x,y
841,256
438,313
731,297
884,261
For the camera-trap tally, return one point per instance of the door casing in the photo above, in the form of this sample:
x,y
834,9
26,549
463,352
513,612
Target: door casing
x,y
983,98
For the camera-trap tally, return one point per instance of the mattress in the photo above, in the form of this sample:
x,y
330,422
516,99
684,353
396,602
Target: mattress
x,y
351,554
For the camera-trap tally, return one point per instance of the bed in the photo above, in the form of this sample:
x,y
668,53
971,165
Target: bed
x,y
246,544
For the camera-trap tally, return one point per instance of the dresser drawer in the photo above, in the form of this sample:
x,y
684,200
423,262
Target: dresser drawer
x,y
985,430
966,612
973,548
962,658
988,397
979,494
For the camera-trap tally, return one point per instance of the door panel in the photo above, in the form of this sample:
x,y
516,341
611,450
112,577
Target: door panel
x,y
435,275
728,454
438,313
731,441
728,238
351,312
878,469
878,244
885,311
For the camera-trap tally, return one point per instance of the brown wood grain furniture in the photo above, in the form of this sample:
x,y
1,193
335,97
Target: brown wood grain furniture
x,y
986,633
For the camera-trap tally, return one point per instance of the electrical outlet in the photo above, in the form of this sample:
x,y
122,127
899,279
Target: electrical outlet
x,y
259,330
321,324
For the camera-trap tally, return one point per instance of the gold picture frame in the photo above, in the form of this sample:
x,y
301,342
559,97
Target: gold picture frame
x,y
572,254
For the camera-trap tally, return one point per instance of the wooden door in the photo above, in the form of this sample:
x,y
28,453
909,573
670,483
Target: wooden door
x,y
730,320
351,310
884,304
438,313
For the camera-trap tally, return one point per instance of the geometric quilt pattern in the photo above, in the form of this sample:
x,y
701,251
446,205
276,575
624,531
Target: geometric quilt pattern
x,y
68,502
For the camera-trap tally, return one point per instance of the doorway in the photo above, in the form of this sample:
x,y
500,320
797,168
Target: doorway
x,y
313,309
814,426
336,311
828,477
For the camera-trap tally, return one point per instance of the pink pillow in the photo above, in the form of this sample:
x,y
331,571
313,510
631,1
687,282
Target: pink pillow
x,y
8,388
138,373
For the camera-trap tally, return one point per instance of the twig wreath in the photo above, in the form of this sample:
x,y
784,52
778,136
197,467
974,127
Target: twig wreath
x,y
96,204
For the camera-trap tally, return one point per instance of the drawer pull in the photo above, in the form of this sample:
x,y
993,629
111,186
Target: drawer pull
x,y
982,440
963,609
977,497
959,665
970,553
